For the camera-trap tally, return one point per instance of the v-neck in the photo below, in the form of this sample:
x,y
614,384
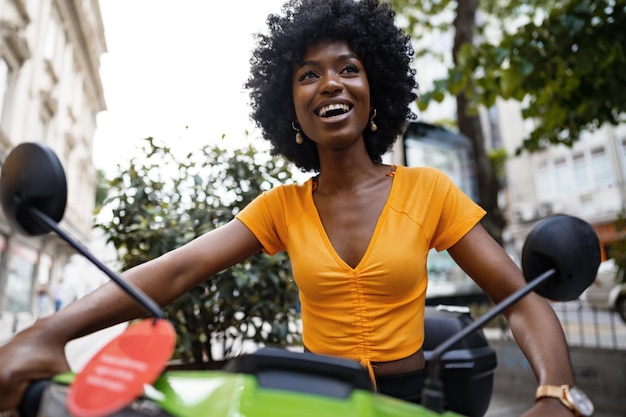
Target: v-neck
x,y
375,232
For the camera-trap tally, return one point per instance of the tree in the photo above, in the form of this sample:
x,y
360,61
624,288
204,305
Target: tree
x,y
425,17
567,69
563,60
160,202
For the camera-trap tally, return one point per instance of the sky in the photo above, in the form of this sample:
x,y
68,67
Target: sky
x,y
175,71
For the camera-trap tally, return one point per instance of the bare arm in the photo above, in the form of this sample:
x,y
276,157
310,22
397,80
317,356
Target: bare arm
x,y
532,320
163,279
38,352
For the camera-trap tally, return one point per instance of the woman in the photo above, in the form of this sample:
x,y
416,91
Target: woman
x,y
331,86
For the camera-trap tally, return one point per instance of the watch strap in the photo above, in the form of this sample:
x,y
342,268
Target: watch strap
x,y
554,391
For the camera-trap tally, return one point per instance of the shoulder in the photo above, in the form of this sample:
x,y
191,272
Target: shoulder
x,y
423,186
424,175
269,215
288,192
284,198
420,171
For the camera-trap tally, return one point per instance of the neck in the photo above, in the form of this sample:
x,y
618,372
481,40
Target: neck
x,y
350,175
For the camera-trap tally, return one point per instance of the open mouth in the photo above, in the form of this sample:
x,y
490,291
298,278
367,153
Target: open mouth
x,y
333,110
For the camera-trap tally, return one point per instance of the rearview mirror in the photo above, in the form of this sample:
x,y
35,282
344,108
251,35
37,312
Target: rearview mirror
x,y
32,176
571,247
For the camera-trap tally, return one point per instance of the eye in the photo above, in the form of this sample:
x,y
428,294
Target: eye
x,y
351,69
307,75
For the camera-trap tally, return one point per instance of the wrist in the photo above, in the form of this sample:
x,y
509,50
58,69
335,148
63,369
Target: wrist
x,y
52,328
571,397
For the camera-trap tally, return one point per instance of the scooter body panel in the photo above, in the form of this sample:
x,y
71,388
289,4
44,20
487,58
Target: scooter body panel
x,y
226,394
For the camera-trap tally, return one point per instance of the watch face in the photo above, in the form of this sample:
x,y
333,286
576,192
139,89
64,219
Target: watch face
x,y
581,402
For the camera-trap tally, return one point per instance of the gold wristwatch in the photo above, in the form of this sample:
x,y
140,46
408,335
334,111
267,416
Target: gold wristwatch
x,y
572,397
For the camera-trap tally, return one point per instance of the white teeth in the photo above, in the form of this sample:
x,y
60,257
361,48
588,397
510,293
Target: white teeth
x,y
322,112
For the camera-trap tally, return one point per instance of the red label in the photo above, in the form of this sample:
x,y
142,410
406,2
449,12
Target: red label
x,y
116,375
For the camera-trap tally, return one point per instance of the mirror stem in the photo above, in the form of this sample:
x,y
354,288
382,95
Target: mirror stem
x,y
146,302
432,395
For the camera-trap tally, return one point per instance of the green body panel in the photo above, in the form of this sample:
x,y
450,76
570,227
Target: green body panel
x,y
225,394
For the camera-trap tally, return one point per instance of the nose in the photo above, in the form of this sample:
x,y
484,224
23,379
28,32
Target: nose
x,y
331,84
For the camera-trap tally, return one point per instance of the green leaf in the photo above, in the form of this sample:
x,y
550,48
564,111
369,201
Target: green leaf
x,y
154,214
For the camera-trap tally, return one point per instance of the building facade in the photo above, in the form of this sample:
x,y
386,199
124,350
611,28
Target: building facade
x,y
50,92
586,180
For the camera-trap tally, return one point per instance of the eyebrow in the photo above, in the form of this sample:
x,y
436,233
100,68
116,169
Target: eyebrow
x,y
342,57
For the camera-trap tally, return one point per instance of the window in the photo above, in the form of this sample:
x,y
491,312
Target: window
x,y
562,175
544,182
581,173
22,262
601,168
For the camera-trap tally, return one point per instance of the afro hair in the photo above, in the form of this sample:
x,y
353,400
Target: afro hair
x,y
369,29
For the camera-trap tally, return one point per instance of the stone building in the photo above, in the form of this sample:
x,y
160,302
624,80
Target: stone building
x,y
50,92
586,180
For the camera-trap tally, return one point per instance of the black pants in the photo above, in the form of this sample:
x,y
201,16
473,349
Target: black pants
x,y
406,386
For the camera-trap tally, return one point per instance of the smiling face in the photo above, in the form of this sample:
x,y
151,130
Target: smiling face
x,y
331,94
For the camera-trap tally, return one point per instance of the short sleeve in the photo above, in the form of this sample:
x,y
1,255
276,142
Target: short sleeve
x,y
263,217
458,215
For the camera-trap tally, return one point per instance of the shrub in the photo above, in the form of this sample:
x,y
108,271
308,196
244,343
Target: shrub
x,y
159,202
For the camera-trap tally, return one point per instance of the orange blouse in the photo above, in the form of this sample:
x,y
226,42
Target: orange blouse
x,y
375,311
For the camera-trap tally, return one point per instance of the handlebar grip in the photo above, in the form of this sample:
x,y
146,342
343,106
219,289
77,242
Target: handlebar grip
x,y
29,406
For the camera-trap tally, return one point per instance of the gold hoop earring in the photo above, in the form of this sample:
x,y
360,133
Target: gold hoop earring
x,y
299,138
373,126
